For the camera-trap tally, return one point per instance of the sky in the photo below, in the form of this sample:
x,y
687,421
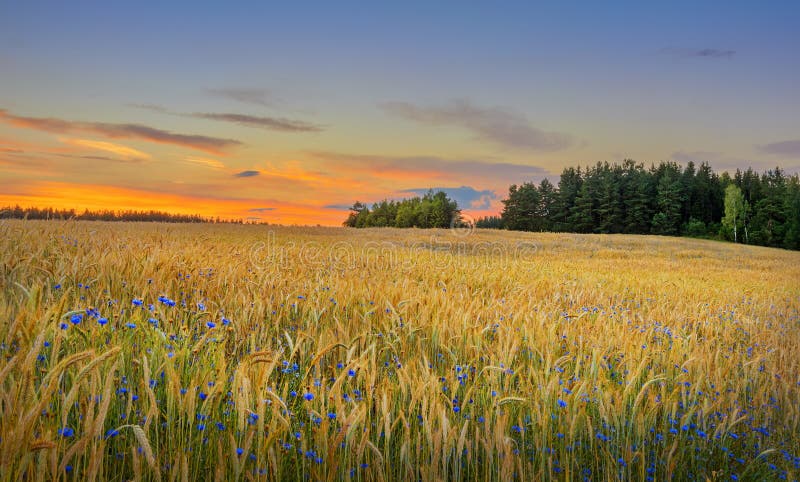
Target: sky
x,y
289,112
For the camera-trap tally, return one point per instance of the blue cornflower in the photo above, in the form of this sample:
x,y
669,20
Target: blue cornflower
x,y
130,325
203,396
239,451
102,321
63,326
332,416
211,324
456,408
201,426
66,432
76,318
309,396
562,403
57,286
112,433
225,322
351,372
136,302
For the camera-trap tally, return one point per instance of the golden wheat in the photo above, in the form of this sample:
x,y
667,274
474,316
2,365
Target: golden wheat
x,y
237,352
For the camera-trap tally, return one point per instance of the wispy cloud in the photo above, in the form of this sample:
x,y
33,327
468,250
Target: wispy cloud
x,y
695,156
205,162
784,148
708,53
151,107
340,207
720,161
269,123
261,122
247,174
245,95
118,149
213,145
96,158
467,197
260,210
431,167
493,124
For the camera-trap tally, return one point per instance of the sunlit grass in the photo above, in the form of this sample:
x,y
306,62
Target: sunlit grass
x,y
235,352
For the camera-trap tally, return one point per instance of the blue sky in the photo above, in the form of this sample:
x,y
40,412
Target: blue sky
x,y
326,99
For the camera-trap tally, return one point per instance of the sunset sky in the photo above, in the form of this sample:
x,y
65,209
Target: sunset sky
x,y
290,112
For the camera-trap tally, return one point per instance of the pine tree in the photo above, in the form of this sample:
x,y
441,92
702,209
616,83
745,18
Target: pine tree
x,y
569,185
669,200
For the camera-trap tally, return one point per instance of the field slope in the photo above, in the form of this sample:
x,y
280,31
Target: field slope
x,y
226,352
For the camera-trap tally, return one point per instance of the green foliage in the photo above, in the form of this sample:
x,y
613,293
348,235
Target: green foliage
x,y
695,228
664,199
669,200
433,210
490,222
736,209
18,212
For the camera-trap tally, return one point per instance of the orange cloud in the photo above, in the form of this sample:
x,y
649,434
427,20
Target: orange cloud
x,y
118,149
205,162
214,145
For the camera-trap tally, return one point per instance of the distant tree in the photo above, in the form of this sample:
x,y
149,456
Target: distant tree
x,y
489,222
355,210
791,214
569,186
669,200
433,210
520,211
638,193
768,221
582,216
735,210
548,202
18,212
610,209
625,198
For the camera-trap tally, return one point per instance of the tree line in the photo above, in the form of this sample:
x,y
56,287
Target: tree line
x,y
17,212
433,210
666,199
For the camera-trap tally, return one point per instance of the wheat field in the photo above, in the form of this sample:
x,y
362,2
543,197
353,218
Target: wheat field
x,y
137,351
